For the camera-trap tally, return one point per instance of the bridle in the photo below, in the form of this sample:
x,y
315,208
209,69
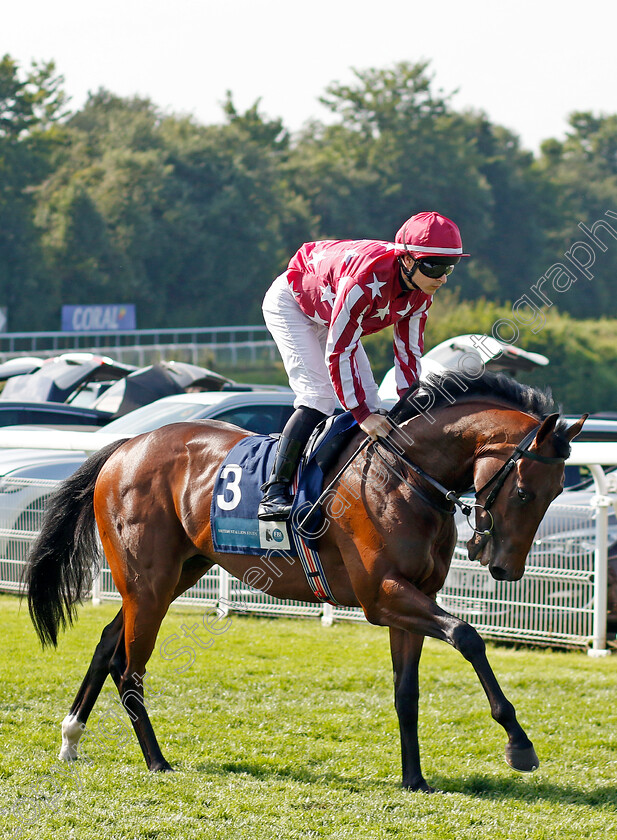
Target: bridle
x,y
497,481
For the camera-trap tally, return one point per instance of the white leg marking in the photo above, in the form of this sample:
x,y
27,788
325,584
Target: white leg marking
x,y
72,730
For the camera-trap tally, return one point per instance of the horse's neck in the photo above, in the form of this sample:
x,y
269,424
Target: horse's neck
x,y
447,449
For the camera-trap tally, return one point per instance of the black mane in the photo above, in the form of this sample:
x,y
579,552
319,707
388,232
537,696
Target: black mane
x,y
439,390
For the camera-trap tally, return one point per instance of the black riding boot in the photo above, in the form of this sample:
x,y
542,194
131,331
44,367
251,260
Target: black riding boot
x,y
276,502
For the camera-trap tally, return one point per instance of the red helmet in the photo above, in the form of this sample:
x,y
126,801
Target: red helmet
x,y
431,235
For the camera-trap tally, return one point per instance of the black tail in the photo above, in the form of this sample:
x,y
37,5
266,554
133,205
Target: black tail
x,y
60,565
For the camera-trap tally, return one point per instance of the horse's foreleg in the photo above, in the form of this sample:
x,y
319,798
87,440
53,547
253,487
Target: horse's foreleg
x,y
520,753
406,649
403,606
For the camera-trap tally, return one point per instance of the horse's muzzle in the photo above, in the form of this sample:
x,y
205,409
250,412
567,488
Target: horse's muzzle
x,y
504,573
478,548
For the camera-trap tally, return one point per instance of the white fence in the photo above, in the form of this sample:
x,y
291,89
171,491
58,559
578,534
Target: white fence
x,y
560,601
554,601
223,345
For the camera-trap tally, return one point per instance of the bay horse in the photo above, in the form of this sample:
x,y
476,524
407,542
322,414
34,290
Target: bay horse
x,y
388,550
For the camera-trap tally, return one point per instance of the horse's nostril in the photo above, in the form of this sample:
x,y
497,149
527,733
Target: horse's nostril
x,y
498,573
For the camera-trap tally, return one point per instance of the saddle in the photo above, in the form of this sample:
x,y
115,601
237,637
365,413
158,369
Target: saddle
x,y
328,440
237,491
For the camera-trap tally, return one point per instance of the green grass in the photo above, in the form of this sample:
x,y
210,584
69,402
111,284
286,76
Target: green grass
x,y
285,729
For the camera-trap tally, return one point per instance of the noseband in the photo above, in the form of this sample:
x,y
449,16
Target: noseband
x,y
498,480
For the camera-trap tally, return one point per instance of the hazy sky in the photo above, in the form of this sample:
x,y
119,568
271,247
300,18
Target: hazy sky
x,y
526,64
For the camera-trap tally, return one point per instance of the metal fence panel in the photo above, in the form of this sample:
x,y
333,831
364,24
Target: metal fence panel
x,y
554,601
21,513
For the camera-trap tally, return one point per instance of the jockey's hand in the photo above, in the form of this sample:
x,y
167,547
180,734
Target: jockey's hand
x,y
376,425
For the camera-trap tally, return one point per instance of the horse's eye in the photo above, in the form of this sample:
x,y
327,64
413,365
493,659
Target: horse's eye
x,y
523,495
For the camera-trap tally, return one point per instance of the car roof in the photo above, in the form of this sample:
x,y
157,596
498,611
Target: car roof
x,y
214,397
12,460
147,417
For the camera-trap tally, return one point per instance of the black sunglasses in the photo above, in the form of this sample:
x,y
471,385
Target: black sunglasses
x,y
432,269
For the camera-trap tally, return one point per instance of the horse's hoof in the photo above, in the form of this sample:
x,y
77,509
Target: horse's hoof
x,y
525,760
419,787
161,767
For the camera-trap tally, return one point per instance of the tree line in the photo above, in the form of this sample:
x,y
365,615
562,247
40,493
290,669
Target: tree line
x,y
119,202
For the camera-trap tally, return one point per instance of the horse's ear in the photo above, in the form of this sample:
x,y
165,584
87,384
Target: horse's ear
x,y
575,428
546,429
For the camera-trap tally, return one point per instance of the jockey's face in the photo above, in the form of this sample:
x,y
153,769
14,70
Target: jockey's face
x,y
428,285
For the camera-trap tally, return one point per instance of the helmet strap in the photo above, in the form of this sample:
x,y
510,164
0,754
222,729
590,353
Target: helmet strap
x,y
409,273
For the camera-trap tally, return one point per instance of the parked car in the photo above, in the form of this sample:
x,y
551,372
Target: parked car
x,y
29,476
60,378
598,428
153,382
52,414
85,380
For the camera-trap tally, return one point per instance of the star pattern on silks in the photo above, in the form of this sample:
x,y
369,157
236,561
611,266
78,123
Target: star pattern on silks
x,y
403,312
375,286
327,295
319,320
317,258
349,254
382,313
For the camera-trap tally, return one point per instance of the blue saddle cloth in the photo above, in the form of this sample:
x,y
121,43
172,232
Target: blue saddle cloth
x,y
237,494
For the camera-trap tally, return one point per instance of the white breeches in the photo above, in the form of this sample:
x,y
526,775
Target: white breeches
x,y
302,345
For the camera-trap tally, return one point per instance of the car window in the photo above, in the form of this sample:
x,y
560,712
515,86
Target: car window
x,y
53,418
87,394
10,417
264,419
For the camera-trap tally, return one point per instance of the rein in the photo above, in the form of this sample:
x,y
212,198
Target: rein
x,y
498,480
450,495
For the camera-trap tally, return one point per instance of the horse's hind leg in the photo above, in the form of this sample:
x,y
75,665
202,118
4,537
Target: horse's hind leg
x,y
143,614
144,607
111,647
74,723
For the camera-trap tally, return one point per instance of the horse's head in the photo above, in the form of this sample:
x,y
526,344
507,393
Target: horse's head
x,y
513,495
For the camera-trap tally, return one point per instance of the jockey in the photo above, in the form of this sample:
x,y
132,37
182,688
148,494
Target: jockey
x,y
332,294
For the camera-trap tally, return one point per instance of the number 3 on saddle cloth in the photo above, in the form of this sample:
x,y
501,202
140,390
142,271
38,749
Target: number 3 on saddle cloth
x,y
237,493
